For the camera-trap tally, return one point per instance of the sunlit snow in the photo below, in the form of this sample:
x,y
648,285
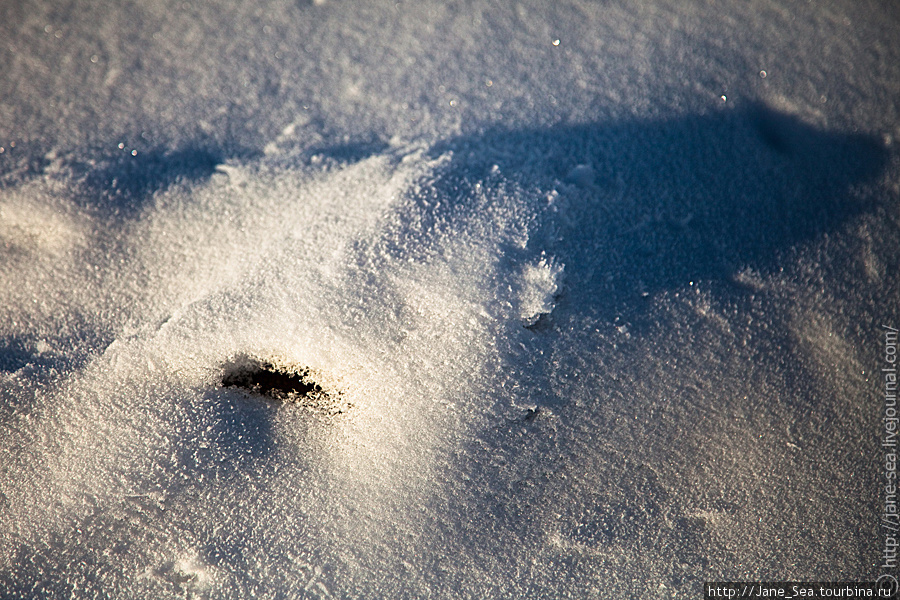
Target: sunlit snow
x,y
443,300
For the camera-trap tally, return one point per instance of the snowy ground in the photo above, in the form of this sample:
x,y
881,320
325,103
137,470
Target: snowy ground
x,y
593,294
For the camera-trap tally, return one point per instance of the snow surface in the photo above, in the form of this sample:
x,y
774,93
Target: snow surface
x,y
595,291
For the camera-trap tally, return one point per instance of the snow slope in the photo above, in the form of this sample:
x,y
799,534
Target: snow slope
x,y
589,296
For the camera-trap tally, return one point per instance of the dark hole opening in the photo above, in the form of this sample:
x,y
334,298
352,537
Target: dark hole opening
x,y
267,379
282,383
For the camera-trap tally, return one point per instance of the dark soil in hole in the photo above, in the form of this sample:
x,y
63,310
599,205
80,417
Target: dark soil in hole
x,y
285,384
265,379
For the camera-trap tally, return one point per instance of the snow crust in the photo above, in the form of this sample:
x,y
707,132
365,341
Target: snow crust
x,y
540,284
595,290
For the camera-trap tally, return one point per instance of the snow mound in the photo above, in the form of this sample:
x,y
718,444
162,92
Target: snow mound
x,y
360,296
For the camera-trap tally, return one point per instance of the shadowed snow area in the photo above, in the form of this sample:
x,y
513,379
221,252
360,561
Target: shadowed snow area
x,y
443,300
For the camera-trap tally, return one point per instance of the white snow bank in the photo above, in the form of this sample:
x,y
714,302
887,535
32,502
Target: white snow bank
x,y
401,300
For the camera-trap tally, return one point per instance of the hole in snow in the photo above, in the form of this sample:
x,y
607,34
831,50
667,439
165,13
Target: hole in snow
x,y
285,383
